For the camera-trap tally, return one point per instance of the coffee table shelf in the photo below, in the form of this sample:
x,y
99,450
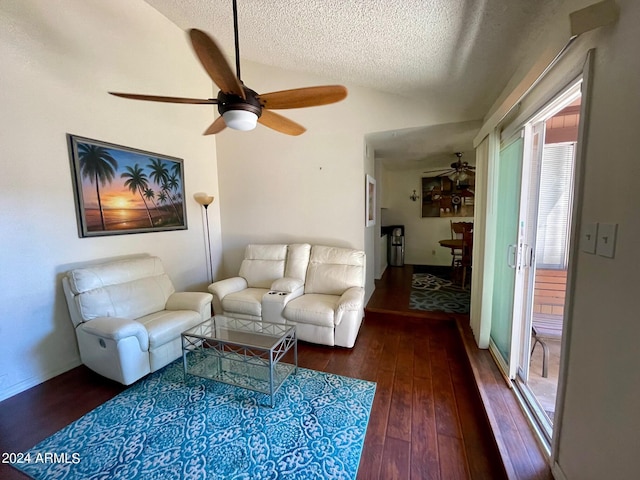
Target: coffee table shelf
x,y
243,353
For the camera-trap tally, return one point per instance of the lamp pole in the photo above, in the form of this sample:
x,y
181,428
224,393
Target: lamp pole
x,y
206,214
206,200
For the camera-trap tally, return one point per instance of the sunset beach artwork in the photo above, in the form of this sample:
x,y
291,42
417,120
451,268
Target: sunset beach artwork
x,y
122,190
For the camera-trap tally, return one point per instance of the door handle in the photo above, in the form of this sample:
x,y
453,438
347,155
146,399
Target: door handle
x,y
526,256
511,256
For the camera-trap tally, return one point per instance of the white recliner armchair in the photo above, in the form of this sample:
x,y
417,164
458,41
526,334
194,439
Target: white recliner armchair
x,y
128,317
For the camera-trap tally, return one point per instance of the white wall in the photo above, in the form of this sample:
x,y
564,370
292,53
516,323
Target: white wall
x,y
601,420
278,188
599,425
58,60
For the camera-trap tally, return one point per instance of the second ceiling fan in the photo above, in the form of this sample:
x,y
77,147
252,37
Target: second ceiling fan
x,y
239,106
458,172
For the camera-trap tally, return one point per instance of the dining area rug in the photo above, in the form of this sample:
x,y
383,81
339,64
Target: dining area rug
x,y
166,427
432,290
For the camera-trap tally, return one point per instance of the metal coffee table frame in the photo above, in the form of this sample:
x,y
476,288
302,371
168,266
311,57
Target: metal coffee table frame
x,y
243,353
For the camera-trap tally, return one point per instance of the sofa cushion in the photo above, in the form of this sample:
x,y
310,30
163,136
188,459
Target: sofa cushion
x,y
297,260
263,264
129,300
333,270
166,325
247,302
316,309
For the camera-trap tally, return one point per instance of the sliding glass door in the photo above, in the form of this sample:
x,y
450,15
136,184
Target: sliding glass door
x,y
548,191
507,206
533,198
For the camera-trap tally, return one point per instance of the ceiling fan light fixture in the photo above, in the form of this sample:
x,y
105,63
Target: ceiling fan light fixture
x,y
240,119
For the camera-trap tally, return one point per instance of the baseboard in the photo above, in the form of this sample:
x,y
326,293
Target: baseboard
x,y
424,315
558,474
37,380
381,273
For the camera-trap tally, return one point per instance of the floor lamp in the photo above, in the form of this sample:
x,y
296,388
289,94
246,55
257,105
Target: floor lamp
x,y
206,200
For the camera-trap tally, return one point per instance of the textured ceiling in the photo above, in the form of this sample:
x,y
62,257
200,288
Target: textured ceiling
x,y
455,55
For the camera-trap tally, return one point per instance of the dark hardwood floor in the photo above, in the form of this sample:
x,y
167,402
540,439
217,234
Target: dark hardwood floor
x,y
427,420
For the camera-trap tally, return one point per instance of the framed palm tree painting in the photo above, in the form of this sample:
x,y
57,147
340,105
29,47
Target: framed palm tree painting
x,y
121,190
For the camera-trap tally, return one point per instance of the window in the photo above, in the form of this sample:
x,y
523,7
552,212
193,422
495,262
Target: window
x,y
554,213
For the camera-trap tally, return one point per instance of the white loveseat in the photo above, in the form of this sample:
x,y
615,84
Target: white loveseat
x,y
318,288
128,317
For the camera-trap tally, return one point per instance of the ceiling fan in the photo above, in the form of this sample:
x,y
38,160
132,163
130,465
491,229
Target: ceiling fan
x,y
458,172
239,106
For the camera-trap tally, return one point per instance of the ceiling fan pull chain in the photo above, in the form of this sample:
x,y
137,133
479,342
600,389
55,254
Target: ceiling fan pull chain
x,y
235,30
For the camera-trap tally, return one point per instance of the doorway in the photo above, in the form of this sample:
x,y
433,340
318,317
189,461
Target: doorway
x,y
535,171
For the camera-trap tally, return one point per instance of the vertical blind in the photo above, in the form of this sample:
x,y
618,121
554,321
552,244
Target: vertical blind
x,y
554,209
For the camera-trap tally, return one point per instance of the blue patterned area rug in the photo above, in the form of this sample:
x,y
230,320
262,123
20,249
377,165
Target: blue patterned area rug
x,y
433,293
164,428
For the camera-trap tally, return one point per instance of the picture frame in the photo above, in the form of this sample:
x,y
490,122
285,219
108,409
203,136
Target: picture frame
x,y
121,190
370,201
443,197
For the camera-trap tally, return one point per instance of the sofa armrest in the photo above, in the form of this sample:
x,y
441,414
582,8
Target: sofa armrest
x,y
351,301
116,329
196,301
222,288
287,284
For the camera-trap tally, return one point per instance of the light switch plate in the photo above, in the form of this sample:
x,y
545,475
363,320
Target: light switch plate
x,y
607,239
589,238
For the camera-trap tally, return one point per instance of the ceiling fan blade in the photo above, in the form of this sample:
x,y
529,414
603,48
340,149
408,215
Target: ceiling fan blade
x,y
156,98
280,123
303,97
217,126
214,63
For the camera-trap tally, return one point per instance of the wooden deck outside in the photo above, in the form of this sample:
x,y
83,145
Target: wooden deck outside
x,y
549,292
548,303
547,324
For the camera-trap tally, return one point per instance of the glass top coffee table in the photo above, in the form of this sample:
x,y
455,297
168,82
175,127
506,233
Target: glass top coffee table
x,y
244,353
